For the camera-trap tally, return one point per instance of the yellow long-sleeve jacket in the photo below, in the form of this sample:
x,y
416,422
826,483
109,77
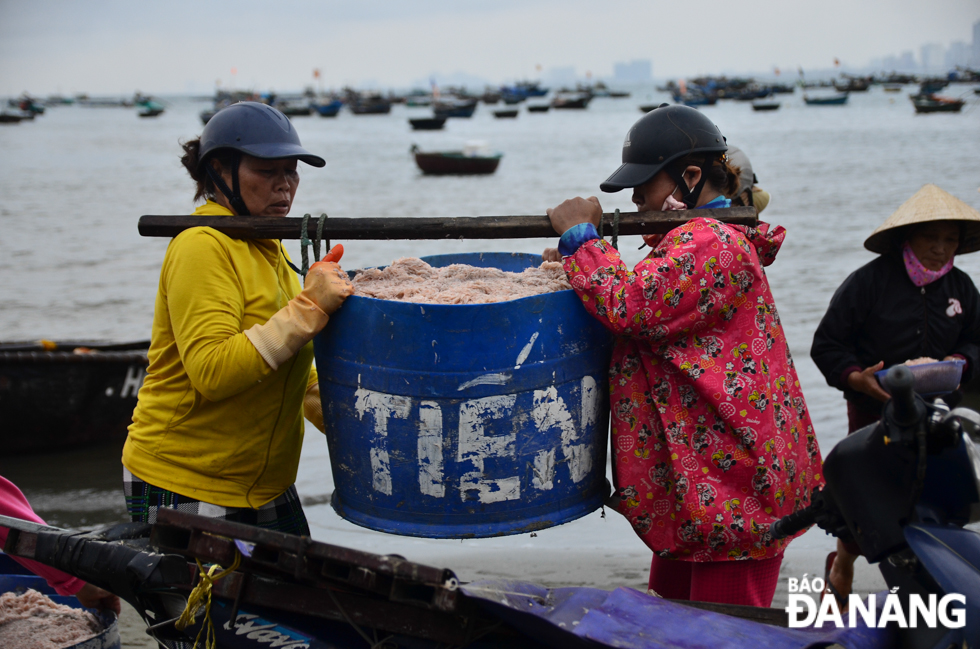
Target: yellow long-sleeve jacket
x,y
214,421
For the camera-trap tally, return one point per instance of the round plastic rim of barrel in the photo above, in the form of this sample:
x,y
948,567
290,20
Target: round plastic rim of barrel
x,y
464,421
931,379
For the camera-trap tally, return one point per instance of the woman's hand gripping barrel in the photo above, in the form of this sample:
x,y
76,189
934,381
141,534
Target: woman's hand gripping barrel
x,y
325,289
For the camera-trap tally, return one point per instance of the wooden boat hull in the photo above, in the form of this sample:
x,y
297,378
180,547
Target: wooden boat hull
x,y
53,400
427,123
577,103
936,105
382,108
329,110
291,591
826,101
464,111
455,163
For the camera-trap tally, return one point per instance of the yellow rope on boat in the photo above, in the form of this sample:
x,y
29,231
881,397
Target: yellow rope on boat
x,y
201,596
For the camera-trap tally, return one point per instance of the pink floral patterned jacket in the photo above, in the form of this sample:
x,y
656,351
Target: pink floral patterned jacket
x,y
711,437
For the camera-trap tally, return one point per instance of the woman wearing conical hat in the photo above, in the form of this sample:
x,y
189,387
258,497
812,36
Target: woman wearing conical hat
x,y
909,303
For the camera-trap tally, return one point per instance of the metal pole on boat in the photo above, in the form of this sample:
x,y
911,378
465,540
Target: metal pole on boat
x,y
453,227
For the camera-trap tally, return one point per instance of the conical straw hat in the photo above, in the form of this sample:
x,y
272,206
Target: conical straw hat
x,y
928,204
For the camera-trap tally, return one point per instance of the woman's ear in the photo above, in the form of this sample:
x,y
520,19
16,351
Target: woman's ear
x,y
692,175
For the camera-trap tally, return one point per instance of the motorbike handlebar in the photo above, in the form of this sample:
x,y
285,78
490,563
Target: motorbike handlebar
x,y
795,522
905,409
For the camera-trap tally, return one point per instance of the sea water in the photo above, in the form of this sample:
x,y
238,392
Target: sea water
x,y
74,182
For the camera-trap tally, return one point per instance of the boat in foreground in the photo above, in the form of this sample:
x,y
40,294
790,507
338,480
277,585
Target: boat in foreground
x,y
280,590
460,163
59,395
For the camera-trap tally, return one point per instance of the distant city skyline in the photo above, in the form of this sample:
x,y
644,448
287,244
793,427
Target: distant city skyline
x,y
183,46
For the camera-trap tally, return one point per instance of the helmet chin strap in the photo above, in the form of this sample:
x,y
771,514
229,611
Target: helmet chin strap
x,y
233,195
690,195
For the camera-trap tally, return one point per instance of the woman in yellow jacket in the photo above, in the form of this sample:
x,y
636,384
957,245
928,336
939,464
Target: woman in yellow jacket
x,y
219,424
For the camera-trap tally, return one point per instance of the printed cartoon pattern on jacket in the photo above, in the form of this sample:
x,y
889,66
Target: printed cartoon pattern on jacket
x,y
711,436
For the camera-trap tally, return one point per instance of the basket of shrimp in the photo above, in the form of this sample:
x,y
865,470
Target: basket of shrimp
x,y
932,378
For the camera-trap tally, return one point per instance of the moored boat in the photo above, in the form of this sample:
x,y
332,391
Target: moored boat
x,y
506,113
928,103
454,108
427,123
830,100
571,100
765,105
57,395
330,108
150,108
538,108
462,163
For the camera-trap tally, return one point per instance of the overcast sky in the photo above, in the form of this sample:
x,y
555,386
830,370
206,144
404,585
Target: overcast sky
x,y
175,46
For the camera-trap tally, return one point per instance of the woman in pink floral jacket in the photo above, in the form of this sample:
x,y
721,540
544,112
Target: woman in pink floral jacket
x,y
711,437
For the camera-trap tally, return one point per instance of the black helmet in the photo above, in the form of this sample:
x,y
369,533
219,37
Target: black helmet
x,y
253,128
660,137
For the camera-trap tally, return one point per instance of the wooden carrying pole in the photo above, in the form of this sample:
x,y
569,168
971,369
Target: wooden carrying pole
x,y
449,227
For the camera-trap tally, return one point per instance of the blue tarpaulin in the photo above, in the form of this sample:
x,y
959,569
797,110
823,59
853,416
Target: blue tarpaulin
x,y
590,617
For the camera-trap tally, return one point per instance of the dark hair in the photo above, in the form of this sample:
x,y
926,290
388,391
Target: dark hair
x,y
191,161
720,174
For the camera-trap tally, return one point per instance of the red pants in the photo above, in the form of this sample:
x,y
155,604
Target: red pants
x,y
748,582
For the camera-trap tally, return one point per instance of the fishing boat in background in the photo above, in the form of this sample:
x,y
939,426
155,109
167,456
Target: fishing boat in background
x,y
521,91
150,108
427,123
936,104
367,103
848,83
454,107
538,108
893,87
825,100
293,106
13,118
472,160
328,108
571,100
763,106
56,395
505,113
27,104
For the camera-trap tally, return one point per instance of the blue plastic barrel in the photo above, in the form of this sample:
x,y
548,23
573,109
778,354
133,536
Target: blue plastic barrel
x,y
457,421
14,578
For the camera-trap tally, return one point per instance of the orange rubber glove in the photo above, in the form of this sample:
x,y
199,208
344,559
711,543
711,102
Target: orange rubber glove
x,y
325,289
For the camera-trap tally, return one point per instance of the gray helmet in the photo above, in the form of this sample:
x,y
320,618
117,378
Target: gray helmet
x,y
660,137
254,129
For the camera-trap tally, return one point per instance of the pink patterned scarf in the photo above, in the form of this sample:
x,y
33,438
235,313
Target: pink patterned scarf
x,y
919,274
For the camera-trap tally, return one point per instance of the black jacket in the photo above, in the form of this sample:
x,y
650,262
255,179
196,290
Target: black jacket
x,y
878,314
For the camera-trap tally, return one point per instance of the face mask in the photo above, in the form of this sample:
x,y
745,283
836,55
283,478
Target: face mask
x,y
671,204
